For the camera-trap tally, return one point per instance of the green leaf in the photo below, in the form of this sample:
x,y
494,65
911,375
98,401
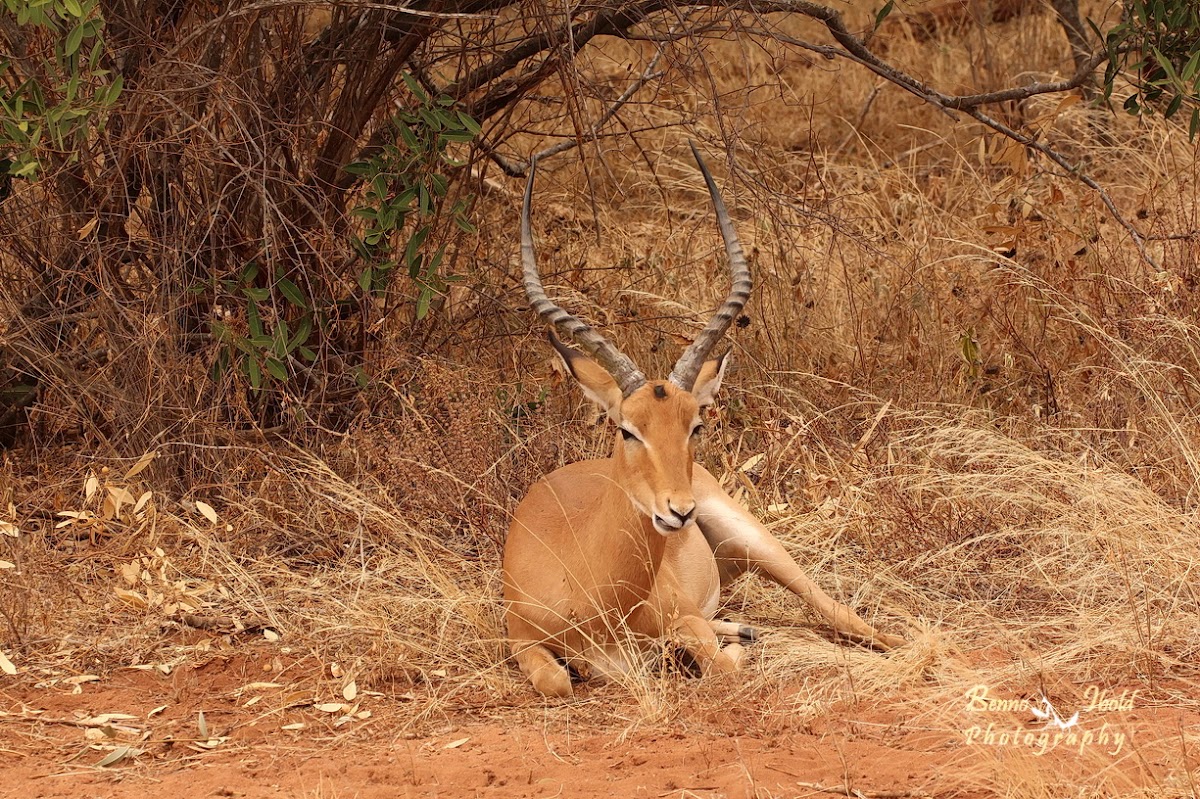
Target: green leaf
x,y
280,334
277,369
308,354
1195,125
465,225
468,122
253,319
415,88
254,372
292,293
414,245
455,136
1174,106
257,294
430,119
74,39
219,365
303,331
365,278
410,139
1191,67
114,90
73,8
423,300
244,345
882,14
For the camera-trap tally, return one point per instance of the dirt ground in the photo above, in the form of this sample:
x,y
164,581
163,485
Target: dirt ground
x,y
237,726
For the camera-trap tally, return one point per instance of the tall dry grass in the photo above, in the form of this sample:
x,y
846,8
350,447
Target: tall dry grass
x,y
975,407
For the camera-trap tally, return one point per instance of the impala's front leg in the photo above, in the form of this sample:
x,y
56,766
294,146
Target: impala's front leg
x,y
740,542
696,637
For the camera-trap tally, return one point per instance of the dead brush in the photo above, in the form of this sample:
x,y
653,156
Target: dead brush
x,y
962,402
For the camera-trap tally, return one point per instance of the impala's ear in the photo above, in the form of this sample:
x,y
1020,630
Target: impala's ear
x,y
709,380
597,384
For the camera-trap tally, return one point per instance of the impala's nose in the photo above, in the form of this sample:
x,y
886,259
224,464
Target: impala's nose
x,y
676,519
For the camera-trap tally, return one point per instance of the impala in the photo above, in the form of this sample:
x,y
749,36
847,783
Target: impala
x,y
639,544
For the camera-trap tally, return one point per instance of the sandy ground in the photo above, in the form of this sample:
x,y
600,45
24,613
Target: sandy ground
x,y
264,736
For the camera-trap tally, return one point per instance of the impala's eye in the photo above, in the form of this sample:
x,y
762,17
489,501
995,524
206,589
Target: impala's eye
x,y
628,436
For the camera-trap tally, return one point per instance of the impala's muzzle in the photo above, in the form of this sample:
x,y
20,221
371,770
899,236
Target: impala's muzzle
x,y
674,520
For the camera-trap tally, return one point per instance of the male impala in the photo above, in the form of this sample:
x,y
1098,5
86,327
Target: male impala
x,y
640,542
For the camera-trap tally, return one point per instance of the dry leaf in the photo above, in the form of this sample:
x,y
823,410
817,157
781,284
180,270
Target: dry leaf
x,y
8,528
456,744
207,511
80,679
202,725
130,597
141,503
211,743
299,725
270,635
119,754
751,462
297,698
330,707
156,711
90,485
7,564
350,691
119,497
83,233
73,517
106,718
141,464
260,686
335,669
130,572
6,665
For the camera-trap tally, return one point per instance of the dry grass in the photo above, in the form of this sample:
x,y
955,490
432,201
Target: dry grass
x,y
1025,509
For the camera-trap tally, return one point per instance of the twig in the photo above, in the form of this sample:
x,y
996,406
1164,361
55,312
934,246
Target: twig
x,y
862,116
594,133
854,792
1071,169
222,624
856,49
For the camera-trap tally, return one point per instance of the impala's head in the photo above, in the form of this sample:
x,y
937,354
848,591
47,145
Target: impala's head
x,y
659,421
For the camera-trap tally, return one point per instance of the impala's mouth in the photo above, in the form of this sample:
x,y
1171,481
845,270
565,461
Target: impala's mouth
x,y
667,526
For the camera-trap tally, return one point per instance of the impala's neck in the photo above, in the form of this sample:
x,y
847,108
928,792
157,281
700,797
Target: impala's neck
x,y
621,543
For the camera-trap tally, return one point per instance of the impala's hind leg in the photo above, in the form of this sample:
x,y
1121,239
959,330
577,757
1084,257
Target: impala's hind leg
x,y
740,542
548,675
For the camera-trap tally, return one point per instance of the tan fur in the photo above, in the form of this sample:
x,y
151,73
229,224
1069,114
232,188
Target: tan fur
x,y
584,564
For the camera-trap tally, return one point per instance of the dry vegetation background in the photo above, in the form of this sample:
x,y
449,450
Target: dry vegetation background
x,y
962,400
